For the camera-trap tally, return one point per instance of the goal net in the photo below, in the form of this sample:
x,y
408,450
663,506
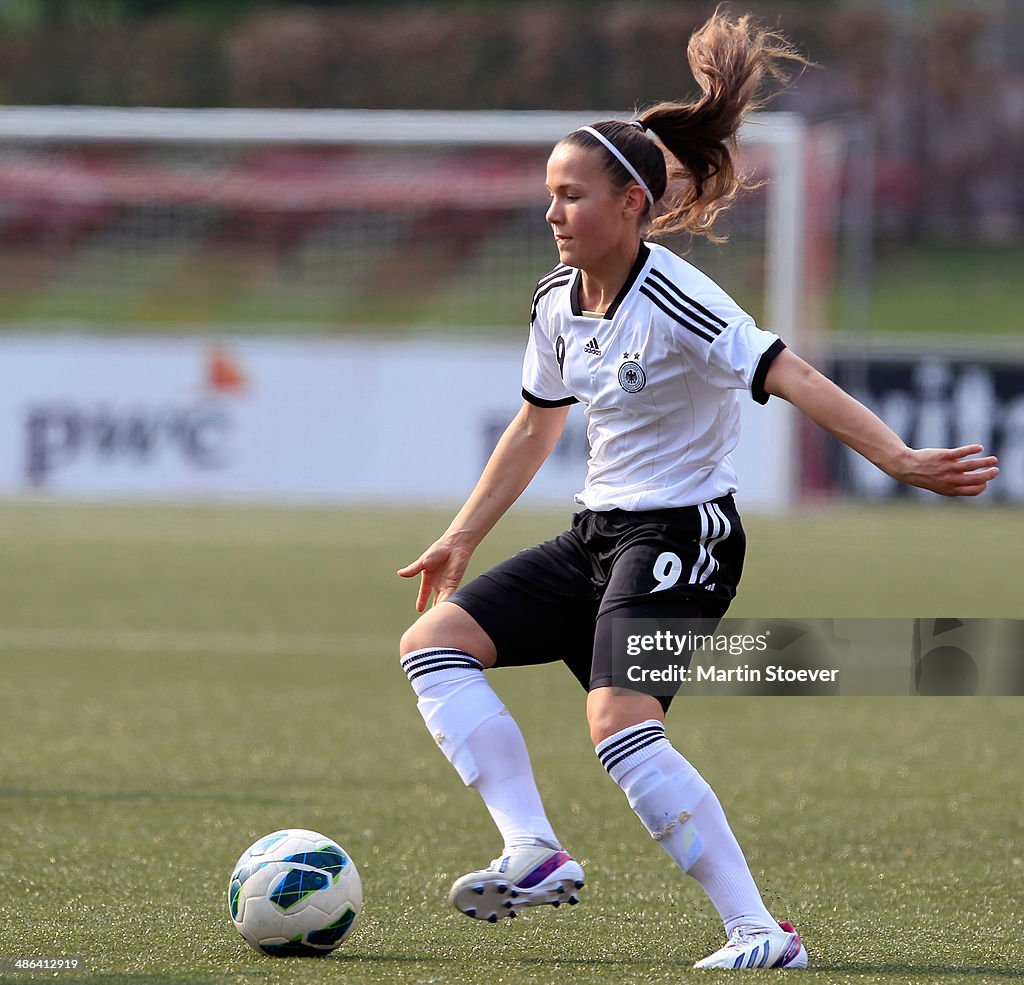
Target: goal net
x,y
329,221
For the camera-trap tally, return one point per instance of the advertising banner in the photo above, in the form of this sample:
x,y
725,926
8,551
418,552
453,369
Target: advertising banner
x,y
353,420
935,401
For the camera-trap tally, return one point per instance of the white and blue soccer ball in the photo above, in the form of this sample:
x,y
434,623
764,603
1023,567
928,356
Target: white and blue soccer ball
x,y
295,893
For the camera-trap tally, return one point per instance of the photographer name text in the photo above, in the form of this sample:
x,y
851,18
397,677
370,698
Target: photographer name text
x,y
773,673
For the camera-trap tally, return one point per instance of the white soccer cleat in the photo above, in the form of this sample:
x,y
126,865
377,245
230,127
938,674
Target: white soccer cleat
x,y
524,877
759,949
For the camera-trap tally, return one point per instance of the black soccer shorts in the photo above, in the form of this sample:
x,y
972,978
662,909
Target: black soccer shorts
x,y
556,601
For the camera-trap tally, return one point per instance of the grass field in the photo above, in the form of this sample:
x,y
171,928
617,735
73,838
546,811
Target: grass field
x,y
177,682
914,288
947,289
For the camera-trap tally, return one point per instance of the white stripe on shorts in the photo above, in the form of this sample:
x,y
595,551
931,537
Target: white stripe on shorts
x,y
714,528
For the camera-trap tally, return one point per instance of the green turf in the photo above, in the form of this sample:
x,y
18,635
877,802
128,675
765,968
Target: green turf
x,y
177,682
914,288
945,290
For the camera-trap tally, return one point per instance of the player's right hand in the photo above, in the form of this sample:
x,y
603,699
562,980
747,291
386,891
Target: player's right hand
x,y
440,567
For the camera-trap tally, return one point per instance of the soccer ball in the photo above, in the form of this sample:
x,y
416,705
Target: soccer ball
x,y
295,893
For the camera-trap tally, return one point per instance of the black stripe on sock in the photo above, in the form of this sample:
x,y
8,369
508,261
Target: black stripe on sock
x,y
433,668
627,743
629,752
435,660
415,658
632,734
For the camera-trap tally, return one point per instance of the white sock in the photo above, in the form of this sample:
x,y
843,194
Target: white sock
x,y
681,811
506,783
481,740
723,873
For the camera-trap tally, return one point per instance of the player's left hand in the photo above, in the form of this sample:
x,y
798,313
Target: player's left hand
x,y
948,471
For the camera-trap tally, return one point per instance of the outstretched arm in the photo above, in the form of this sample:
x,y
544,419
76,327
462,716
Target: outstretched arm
x,y
523,448
947,471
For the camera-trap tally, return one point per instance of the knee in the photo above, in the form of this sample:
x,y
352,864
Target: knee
x,y
601,718
427,631
602,726
412,639
610,711
598,720
448,625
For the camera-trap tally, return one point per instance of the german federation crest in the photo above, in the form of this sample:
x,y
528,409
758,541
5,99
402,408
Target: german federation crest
x,y
632,377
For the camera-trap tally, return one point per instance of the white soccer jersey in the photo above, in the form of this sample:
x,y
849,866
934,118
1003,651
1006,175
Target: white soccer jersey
x,y
658,377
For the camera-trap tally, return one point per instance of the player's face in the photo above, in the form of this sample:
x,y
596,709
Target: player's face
x,y
588,214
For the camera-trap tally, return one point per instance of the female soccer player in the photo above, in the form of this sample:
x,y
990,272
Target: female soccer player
x,y
657,354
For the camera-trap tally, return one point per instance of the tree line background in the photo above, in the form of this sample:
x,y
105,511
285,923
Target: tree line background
x,y
939,86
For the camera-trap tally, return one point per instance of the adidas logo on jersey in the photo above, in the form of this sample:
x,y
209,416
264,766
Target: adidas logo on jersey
x,y
592,347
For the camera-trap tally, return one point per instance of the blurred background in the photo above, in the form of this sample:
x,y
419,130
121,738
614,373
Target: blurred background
x,y
241,244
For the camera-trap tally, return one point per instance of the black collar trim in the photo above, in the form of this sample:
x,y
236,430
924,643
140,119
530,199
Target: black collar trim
x,y
638,265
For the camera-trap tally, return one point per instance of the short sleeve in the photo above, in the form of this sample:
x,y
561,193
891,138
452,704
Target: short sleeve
x,y
739,357
542,370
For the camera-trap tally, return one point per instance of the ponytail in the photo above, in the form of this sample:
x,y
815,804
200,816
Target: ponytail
x,y
729,59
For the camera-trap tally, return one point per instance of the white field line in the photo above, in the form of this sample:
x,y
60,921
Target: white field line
x,y
143,641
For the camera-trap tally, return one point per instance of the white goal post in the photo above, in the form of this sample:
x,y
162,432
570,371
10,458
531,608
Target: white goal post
x,y
358,224
51,138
